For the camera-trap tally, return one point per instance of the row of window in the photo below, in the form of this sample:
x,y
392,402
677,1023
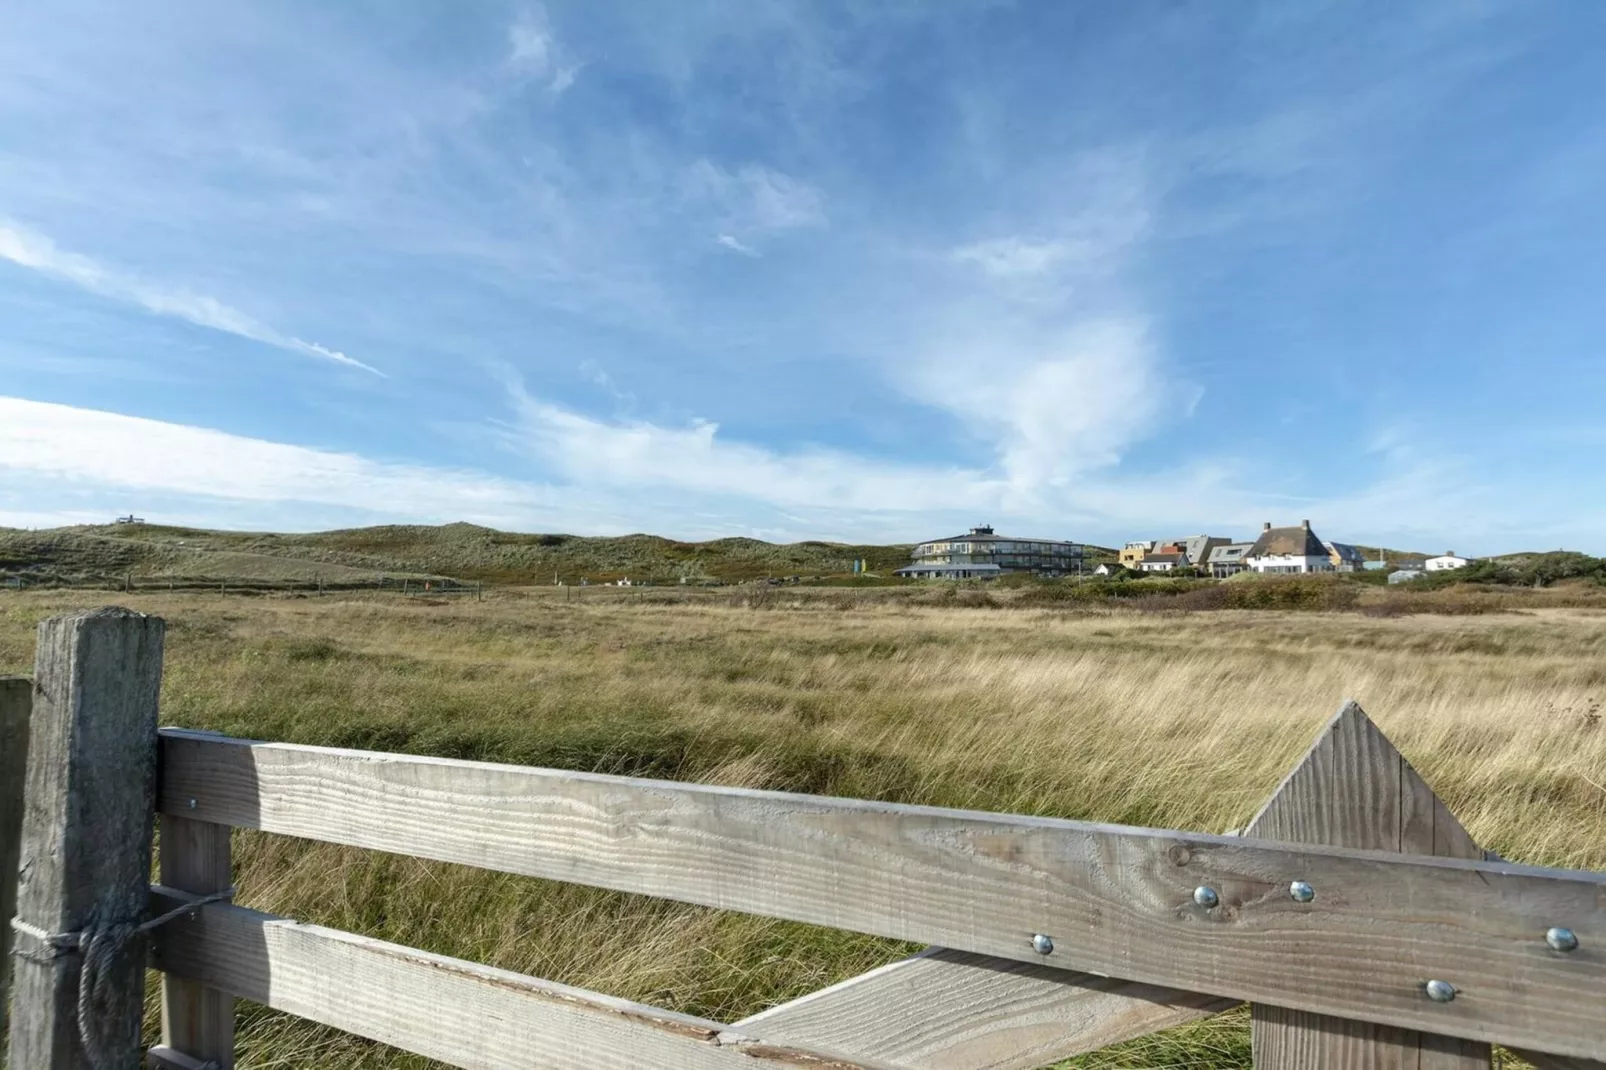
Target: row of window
x,y
1065,549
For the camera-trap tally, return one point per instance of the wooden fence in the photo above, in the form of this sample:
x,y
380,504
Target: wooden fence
x,y
1354,913
127,582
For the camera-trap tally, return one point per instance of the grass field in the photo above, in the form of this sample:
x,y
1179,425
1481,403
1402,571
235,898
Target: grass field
x,y
1185,720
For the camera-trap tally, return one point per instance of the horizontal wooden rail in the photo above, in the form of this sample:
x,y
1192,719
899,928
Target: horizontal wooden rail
x,y
448,1009
1116,901
951,1010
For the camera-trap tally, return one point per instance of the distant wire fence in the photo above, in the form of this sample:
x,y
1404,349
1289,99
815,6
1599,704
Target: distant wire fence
x,y
410,586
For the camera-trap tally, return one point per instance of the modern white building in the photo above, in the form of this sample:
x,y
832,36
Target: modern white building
x,y
983,552
1288,550
1447,560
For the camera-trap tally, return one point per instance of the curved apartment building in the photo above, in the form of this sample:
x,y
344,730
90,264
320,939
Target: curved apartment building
x,y
983,553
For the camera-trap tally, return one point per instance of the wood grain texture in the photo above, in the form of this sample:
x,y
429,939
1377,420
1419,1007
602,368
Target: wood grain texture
x,y
196,1020
458,1012
951,1010
1354,789
1118,901
86,833
15,702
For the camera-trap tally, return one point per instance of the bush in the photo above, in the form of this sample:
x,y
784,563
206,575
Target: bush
x,y
1536,570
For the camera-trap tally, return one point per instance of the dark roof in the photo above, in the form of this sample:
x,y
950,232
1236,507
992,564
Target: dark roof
x,y
971,536
1175,559
1298,541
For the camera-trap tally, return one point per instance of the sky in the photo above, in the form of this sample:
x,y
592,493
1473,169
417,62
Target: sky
x,y
804,269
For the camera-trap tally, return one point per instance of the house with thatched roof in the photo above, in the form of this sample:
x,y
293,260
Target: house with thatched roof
x,y
1288,550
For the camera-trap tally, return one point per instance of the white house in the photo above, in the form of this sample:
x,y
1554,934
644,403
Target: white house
x,y
1108,568
1162,562
1447,561
1288,550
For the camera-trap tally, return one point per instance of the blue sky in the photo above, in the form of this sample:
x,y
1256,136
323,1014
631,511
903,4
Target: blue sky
x,y
864,271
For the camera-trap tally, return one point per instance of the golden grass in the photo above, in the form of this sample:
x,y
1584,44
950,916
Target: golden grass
x,y
1184,721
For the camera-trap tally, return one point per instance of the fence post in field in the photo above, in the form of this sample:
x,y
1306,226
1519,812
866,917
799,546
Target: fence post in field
x,y
1354,789
86,841
14,705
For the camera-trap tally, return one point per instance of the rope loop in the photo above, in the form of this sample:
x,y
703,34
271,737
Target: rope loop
x,y
101,946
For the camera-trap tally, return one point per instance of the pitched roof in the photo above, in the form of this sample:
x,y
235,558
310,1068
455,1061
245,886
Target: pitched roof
x,y
1230,552
1298,541
1161,559
1346,552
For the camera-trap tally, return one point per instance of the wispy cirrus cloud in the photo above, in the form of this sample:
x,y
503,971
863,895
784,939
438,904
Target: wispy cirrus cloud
x,y
535,51
37,252
754,201
1010,257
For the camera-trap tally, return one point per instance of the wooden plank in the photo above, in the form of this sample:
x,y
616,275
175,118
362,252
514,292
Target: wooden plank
x,y
86,833
951,1010
1118,900
1354,789
15,702
196,1020
162,1057
458,1012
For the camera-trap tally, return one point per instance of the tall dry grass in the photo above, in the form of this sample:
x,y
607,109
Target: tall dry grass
x,y
1184,721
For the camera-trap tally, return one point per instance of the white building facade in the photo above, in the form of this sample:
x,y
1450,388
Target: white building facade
x,y
1445,561
1291,551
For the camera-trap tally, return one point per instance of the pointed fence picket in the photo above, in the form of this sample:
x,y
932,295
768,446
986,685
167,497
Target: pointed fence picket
x,y
1351,901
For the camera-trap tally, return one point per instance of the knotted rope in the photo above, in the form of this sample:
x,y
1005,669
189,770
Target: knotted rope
x,y
101,946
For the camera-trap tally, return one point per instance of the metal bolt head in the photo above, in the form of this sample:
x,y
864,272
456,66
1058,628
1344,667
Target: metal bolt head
x,y
192,804
1301,892
1440,991
1043,944
1206,896
1562,939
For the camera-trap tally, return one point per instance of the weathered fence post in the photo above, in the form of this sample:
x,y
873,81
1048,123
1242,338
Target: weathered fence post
x,y
1354,789
14,705
86,842
196,1021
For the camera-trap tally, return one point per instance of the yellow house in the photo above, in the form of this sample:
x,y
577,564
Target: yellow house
x,y
1132,553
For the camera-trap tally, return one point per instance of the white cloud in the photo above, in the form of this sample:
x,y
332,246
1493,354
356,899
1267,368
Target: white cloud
x,y
1057,405
754,201
38,253
1011,257
67,443
731,242
695,459
535,51
60,464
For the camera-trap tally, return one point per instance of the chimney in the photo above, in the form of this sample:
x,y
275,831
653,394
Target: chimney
x,y
1305,524
1449,553
1267,527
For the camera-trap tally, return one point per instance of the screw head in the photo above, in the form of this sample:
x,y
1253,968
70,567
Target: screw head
x,y
1440,991
1043,944
1301,892
1206,896
192,804
1562,939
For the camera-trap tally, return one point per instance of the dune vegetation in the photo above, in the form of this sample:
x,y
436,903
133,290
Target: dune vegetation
x,y
1095,711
